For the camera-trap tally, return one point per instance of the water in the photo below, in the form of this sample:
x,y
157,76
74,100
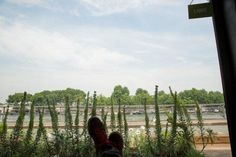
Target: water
x,y
130,118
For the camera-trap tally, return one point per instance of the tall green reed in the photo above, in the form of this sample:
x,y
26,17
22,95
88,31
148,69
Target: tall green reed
x,y
18,129
29,133
172,141
85,116
3,132
94,107
77,121
147,126
127,152
55,126
41,129
113,117
104,119
119,116
4,143
126,127
206,134
68,117
54,116
158,121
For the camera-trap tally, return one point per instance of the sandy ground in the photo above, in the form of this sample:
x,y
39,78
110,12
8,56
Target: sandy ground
x,y
218,153
217,150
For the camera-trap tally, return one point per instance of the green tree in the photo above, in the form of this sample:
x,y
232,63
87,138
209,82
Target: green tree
x,y
121,93
39,99
215,97
59,96
194,95
102,100
17,97
164,98
141,94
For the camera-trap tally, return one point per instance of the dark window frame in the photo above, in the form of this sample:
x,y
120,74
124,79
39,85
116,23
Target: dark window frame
x,y
224,20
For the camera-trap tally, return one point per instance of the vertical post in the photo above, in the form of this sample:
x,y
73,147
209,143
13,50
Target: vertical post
x,y
224,20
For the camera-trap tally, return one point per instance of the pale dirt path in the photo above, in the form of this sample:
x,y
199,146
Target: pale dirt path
x,y
217,150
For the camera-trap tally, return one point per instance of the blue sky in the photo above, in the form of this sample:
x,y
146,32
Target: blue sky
x,y
97,44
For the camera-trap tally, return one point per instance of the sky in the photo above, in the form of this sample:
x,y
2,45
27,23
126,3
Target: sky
x,y
94,45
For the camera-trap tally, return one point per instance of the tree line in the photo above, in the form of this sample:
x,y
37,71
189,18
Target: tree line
x,y
122,94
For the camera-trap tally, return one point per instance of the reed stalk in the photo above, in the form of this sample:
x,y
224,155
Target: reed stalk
x,y
94,107
18,129
77,121
3,133
86,116
29,132
40,128
158,121
173,124
104,119
54,117
147,126
200,126
68,117
126,134
119,116
113,117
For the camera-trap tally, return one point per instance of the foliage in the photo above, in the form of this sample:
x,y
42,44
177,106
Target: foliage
x,y
119,117
77,122
178,141
206,135
41,97
113,118
3,132
29,133
18,129
94,107
17,97
104,119
68,117
126,135
174,142
174,125
165,98
157,122
147,126
215,97
85,116
120,92
140,94
102,100
201,96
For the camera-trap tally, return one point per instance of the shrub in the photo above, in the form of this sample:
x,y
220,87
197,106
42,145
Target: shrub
x,y
177,139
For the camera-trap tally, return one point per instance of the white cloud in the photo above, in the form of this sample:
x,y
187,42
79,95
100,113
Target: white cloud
x,y
107,7
95,58
95,7
94,47
83,51
71,8
40,47
2,20
30,2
